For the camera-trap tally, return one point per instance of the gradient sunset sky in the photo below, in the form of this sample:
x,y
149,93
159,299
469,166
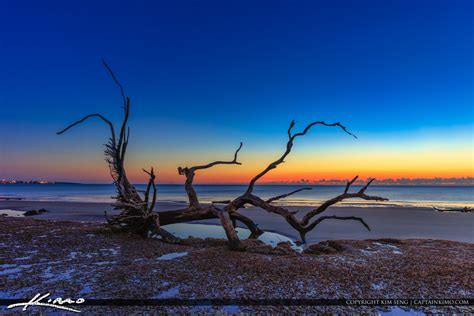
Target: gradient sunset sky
x,y
205,75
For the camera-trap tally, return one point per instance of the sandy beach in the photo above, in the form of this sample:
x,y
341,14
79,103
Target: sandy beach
x,y
71,259
410,252
385,222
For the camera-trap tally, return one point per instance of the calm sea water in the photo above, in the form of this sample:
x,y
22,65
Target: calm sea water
x,y
419,196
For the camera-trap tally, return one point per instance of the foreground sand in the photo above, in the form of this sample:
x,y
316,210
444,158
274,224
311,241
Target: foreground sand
x,y
394,222
83,259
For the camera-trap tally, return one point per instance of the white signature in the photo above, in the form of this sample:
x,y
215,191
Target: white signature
x,y
56,303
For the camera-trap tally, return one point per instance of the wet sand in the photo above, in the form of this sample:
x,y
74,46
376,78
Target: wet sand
x,y
385,222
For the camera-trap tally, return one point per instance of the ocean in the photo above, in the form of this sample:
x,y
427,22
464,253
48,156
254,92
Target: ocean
x,y
404,196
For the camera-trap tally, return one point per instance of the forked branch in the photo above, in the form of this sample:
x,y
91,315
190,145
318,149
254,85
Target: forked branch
x,y
212,164
346,195
189,173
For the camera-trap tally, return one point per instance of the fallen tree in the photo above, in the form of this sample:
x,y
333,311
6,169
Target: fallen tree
x,y
137,208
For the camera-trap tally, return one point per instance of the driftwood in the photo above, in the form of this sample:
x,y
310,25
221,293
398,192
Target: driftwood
x,y
465,209
137,209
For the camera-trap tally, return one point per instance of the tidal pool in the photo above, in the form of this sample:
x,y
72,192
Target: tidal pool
x,y
185,230
12,213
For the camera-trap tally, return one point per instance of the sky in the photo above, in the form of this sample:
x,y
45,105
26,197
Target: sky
x,y
205,75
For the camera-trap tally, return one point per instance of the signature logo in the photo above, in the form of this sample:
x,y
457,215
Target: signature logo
x,y
43,300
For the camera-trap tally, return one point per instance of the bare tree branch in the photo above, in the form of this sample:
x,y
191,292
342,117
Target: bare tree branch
x,y
361,194
111,126
114,77
364,188
286,195
254,230
226,222
123,138
302,226
221,202
189,173
151,185
212,164
322,218
349,183
338,124
289,146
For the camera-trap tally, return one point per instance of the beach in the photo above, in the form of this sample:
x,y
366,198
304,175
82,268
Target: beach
x,y
385,222
85,260
409,253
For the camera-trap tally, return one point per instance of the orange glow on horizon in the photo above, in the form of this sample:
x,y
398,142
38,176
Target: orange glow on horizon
x,y
420,159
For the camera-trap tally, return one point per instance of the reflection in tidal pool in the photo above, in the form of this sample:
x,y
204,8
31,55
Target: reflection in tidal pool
x,y
184,230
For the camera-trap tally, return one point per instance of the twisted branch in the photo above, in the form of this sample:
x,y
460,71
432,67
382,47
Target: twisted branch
x,y
289,146
302,226
111,126
137,213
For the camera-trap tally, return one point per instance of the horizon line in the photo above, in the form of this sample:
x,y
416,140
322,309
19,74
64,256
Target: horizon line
x,y
435,181
265,184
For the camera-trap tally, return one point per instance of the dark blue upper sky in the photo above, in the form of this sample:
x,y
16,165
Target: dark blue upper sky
x,y
237,66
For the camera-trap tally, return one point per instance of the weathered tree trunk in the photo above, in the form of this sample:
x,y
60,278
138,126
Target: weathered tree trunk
x,y
137,209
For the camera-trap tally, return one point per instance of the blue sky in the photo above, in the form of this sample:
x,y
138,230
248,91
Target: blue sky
x,y
204,75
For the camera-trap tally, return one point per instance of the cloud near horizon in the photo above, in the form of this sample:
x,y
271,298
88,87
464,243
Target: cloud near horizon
x,y
389,181
462,181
